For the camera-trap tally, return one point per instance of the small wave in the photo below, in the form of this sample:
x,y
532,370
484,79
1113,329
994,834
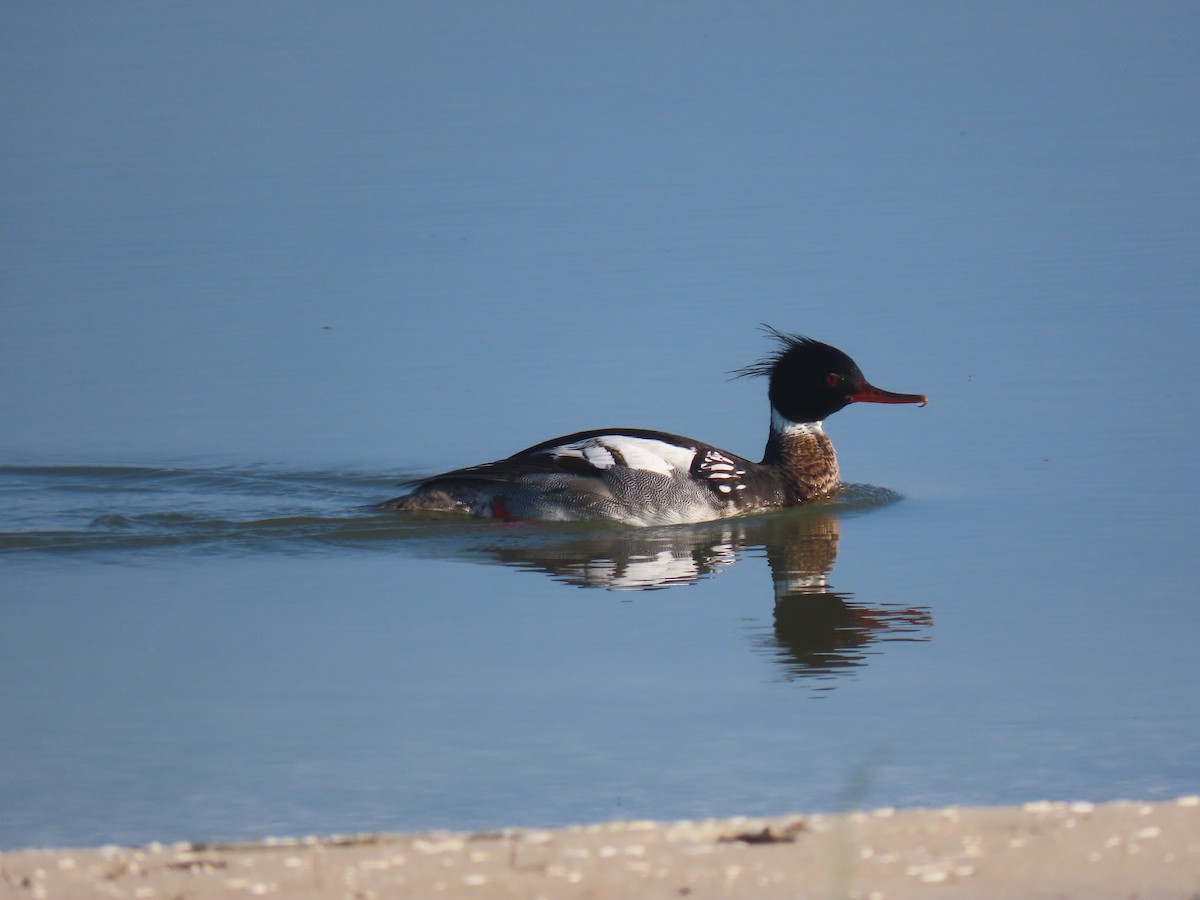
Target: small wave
x,y
855,498
75,508
129,509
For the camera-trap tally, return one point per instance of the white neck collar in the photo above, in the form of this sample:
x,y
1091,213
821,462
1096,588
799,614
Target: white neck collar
x,y
782,426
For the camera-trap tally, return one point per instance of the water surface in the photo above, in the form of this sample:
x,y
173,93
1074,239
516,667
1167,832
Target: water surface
x,y
259,268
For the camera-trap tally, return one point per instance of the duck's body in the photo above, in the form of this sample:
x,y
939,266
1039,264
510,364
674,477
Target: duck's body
x,y
628,475
642,477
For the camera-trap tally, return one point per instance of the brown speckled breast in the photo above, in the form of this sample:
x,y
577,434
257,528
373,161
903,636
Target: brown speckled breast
x,y
809,464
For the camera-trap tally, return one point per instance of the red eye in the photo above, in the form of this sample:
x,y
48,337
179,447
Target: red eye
x,y
832,379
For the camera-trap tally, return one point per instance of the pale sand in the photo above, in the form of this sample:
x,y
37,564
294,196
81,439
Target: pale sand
x,y
1040,850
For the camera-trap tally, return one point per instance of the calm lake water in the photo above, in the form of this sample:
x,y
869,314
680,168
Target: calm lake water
x,y
257,270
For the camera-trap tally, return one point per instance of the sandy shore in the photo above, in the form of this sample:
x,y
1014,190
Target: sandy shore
x,y
1041,850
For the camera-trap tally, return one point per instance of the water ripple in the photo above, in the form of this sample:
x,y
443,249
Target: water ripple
x,y
120,509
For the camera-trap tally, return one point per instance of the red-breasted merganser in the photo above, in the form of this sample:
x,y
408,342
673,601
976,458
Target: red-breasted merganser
x,y
642,477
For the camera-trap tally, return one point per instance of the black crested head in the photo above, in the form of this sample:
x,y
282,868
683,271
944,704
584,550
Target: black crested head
x,y
811,381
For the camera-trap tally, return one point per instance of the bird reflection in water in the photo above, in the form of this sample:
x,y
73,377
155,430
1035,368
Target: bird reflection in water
x,y
819,632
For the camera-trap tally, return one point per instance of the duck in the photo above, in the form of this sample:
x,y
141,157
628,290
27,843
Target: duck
x,y
642,477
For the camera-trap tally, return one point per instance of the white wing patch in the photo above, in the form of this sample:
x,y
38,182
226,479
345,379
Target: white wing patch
x,y
591,452
607,451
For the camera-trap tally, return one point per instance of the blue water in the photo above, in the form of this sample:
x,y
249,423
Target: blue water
x,y
259,268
